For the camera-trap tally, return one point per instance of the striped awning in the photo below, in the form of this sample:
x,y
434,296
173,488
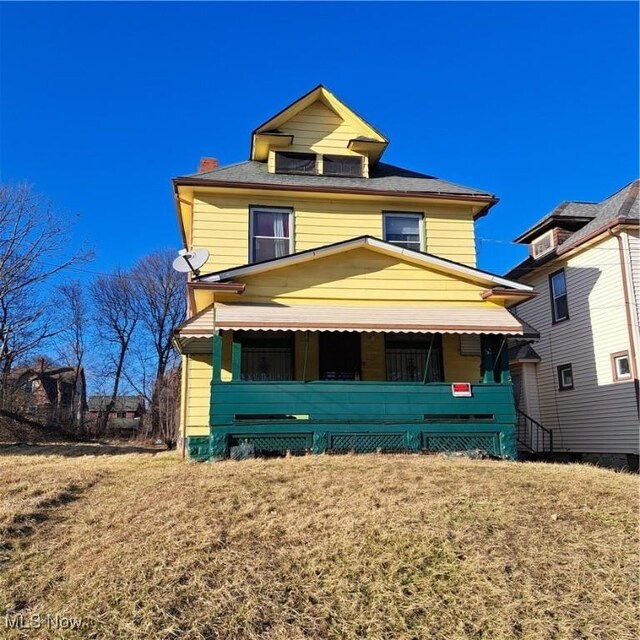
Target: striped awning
x,y
477,319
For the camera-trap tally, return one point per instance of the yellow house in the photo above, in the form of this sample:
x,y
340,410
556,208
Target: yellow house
x,y
340,308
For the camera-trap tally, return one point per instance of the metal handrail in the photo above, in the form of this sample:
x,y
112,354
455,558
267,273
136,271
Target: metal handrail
x,y
536,438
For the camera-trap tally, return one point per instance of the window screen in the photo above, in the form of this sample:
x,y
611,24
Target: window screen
x,y
287,162
350,166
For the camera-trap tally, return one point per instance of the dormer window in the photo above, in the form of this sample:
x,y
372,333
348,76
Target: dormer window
x,y
542,245
347,166
296,163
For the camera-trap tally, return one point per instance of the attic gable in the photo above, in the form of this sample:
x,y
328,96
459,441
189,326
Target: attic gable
x,y
318,123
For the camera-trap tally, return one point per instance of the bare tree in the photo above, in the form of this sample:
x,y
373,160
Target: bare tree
x,y
117,313
72,306
32,250
161,292
168,403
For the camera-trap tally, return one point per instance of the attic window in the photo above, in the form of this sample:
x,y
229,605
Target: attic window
x,y
350,166
298,163
542,245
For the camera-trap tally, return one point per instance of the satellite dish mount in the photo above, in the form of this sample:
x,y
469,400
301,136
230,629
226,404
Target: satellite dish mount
x,y
190,261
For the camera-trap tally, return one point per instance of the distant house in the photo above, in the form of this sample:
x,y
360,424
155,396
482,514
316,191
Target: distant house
x,y
581,378
48,393
126,412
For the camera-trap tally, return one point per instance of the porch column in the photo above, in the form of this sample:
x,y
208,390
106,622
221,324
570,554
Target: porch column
x,y
487,358
236,359
504,373
217,358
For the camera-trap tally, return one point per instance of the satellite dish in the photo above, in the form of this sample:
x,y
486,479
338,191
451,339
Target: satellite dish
x,y
190,261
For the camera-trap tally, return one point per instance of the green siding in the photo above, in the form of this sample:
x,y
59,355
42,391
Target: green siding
x,y
360,416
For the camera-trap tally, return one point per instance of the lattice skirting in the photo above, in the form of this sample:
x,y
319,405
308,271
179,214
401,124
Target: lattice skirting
x,y
217,445
276,443
462,442
367,442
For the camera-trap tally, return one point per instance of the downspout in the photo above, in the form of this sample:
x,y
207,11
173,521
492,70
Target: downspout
x,y
185,373
627,309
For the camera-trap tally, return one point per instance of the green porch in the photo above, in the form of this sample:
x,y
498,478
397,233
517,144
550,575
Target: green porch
x,y
354,415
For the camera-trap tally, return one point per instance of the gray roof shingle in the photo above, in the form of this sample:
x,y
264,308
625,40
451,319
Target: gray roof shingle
x,y
623,204
523,351
382,177
123,403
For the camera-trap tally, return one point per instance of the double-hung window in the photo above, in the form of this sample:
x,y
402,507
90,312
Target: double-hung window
x,y
404,229
558,290
271,233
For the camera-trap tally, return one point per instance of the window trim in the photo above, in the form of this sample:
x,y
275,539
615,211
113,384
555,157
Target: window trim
x,y
614,369
561,385
554,318
406,214
253,208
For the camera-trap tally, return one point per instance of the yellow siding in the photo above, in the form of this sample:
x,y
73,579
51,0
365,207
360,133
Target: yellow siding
x,y
312,356
359,275
372,350
458,368
319,129
198,395
221,224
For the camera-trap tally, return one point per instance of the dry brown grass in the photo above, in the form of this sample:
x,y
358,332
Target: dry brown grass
x,y
393,547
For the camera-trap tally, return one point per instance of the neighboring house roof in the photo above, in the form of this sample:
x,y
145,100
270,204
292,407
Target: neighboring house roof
x,y
523,351
122,403
373,244
382,178
52,379
66,374
623,207
567,211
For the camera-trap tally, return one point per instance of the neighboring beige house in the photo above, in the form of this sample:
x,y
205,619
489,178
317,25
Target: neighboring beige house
x,y
581,378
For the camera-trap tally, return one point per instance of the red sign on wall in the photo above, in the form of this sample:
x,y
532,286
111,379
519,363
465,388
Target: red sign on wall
x,y
461,389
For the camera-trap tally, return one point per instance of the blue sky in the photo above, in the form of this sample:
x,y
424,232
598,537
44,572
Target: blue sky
x,y
102,103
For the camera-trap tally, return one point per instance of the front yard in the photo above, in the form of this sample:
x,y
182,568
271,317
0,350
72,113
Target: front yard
x,y
146,546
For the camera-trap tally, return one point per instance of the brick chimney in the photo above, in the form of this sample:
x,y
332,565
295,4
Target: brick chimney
x,y
208,164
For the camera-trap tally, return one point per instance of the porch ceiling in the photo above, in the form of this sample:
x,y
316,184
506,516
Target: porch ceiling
x,y
278,317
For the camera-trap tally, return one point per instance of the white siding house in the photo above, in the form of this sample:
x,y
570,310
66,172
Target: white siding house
x,y
587,272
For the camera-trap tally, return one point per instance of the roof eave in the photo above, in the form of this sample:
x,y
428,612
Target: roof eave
x,y
488,199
